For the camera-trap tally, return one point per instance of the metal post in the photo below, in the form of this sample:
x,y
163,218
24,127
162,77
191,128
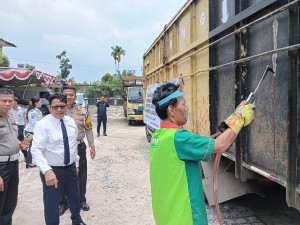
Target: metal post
x,y
292,197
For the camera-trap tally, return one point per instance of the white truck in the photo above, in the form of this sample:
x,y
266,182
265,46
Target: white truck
x,y
81,100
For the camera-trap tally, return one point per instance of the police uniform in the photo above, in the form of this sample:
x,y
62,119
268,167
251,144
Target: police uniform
x,y
19,116
9,168
34,115
84,125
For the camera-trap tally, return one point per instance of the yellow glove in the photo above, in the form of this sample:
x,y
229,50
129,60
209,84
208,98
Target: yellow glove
x,y
241,117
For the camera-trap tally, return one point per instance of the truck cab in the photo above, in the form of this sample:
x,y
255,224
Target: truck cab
x,y
133,99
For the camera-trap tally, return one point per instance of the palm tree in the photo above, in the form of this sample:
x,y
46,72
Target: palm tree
x,y
116,54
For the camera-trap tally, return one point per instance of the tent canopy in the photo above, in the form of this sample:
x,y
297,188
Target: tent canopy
x,y
22,76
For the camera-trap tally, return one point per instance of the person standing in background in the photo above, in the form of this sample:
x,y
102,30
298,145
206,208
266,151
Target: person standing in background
x,y
9,155
101,115
33,115
19,115
54,151
84,125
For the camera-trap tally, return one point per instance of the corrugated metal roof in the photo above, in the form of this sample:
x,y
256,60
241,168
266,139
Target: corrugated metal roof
x,y
6,43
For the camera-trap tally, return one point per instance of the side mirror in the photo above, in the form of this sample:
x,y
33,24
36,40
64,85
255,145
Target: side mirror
x,y
86,102
124,96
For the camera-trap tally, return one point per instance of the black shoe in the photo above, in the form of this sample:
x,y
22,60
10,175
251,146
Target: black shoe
x,y
82,223
62,208
84,206
98,135
104,134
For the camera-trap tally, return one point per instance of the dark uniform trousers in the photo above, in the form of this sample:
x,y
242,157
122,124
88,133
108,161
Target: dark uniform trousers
x,y
82,174
67,182
29,155
9,172
100,119
21,138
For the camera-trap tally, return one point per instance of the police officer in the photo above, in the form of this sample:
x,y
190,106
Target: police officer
x,y
84,125
9,155
19,115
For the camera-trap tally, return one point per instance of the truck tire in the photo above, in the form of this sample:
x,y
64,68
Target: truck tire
x,y
148,135
45,110
129,122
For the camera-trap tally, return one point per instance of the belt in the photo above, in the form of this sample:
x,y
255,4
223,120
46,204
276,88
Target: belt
x,y
9,158
63,166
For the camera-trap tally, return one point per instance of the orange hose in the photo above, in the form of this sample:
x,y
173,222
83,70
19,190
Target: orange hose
x,y
215,176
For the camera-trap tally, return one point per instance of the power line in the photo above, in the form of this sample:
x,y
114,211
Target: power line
x,y
34,60
57,63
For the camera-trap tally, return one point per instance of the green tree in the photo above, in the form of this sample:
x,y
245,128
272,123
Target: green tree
x,y
116,54
29,66
119,76
5,61
73,81
65,66
107,79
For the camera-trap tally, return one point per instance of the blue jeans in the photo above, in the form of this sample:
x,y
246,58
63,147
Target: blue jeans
x,y
67,182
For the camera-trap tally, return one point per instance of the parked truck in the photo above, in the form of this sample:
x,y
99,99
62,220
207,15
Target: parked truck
x,y
81,100
133,98
219,50
26,93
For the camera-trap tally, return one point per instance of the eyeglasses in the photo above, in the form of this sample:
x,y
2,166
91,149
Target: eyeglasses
x,y
58,106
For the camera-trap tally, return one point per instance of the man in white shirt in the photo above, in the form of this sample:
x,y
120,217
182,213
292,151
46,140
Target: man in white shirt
x,y
19,115
54,151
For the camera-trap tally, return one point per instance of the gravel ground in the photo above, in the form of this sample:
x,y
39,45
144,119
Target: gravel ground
x,y
118,189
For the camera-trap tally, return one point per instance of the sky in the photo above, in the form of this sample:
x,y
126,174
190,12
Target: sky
x,y
86,29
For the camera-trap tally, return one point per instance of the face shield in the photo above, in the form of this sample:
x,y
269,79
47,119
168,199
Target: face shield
x,y
184,117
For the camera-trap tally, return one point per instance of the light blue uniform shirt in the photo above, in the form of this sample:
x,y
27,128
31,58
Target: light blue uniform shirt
x,y
34,115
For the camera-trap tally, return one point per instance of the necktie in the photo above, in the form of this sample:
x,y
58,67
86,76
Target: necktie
x,y
66,143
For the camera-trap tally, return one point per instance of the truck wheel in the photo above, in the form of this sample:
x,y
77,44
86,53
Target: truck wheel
x,y
129,122
45,110
148,135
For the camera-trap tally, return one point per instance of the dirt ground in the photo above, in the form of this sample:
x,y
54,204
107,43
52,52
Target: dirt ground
x,y
118,188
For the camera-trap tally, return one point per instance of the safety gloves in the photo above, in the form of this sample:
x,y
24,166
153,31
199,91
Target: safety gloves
x,y
241,117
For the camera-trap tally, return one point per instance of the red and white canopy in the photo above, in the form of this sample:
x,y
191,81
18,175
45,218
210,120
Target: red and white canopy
x,y
24,76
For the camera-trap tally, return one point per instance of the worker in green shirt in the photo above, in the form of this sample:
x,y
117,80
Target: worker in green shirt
x,y
175,175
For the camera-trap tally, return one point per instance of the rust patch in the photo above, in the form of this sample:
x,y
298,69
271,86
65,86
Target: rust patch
x,y
243,51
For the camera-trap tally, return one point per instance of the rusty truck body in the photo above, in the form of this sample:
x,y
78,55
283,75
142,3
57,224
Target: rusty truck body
x,y
220,49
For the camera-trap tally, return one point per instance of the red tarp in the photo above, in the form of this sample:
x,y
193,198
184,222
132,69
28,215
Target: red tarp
x,y
21,76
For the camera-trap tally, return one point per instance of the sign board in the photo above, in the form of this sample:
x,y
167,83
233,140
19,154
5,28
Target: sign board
x,y
150,116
